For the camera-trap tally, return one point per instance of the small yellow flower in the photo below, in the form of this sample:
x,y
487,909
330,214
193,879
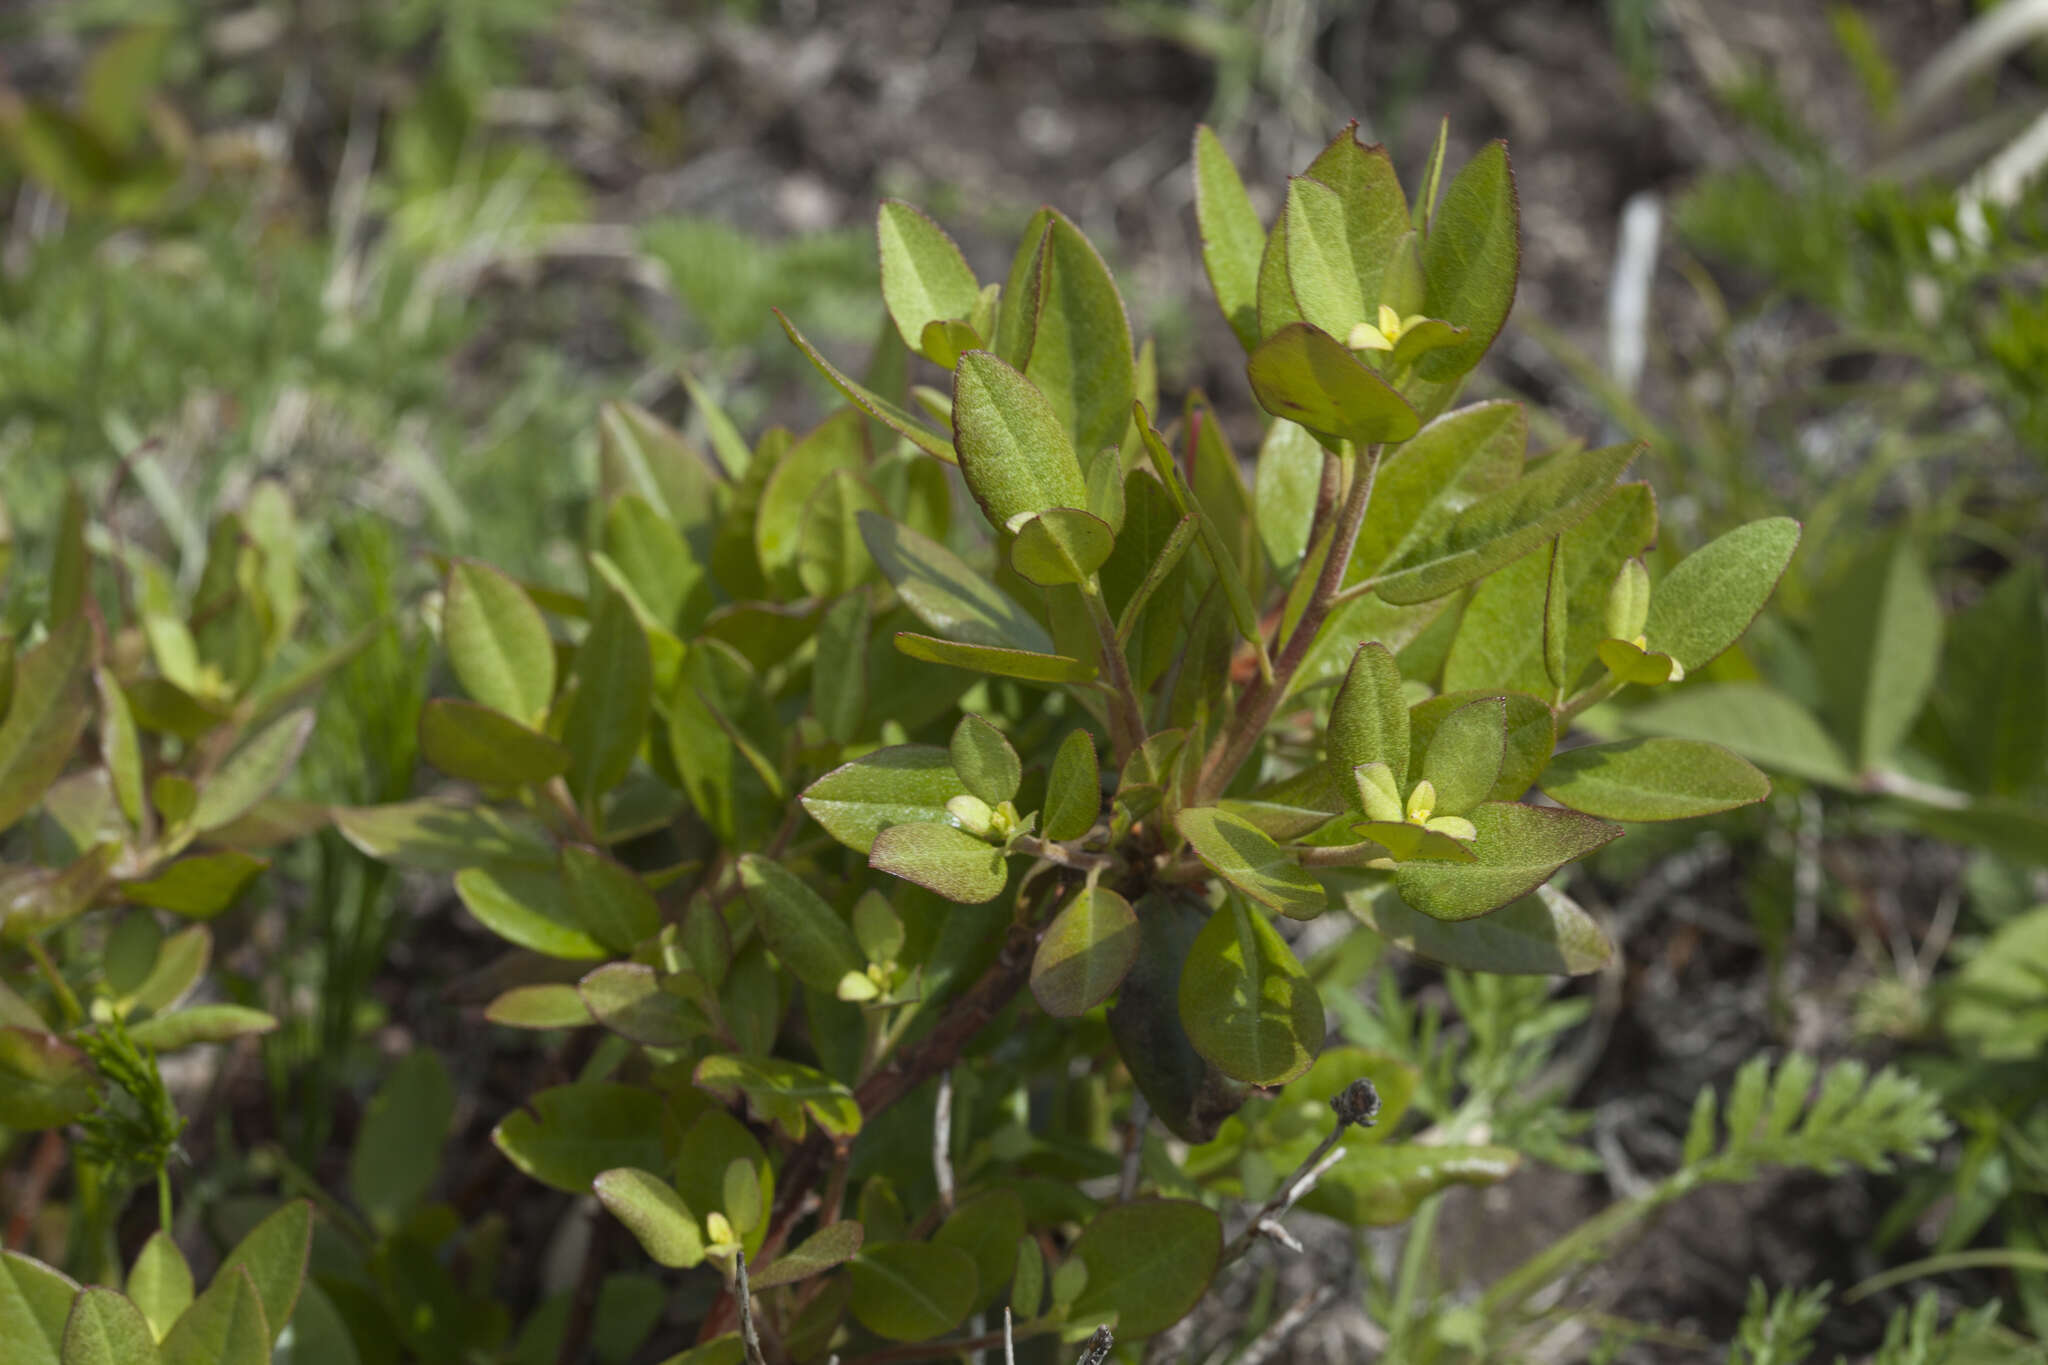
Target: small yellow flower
x,y
1366,337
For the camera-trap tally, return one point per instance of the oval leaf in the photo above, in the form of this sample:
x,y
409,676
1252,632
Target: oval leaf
x,y
1073,793
1246,1002
1241,853
925,279
1305,375
478,744
1014,451
1709,598
1149,1262
1085,954
912,1291
943,859
900,785
654,1213
497,642
1517,850
1653,779
808,936
1545,934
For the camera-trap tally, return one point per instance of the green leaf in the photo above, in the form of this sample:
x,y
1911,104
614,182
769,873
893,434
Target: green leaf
x,y
1027,1281
901,785
1877,646
947,595
610,904
224,1326
105,1328
485,746
1073,794
198,887
1382,1185
1762,724
1653,779
554,1004
1240,853
925,279
1061,545
160,1282
1544,934
655,560
397,1151
1247,1005
943,859
1149,1262
1320,269
1187,1094
1531,736
1464,756
441,836
35,1302
912,1291
654,1213
641,455
319,1334
274,1254
527,908
607,717
1232,240
831,558
839,671
1471,259
1422,487
253,771
783,1092
1497,645
201,1024
47,714
894,416
1994,1003
1368,720
497,642
1079,349
1287,482
1085,954
987,1227
1244,612
45,1082
830,1246
120,745
1518,849
1705,603
1991,707
568,1135
998,662
1305,375
838,445
808,936
1506,524
986,763
720,1167
1014,451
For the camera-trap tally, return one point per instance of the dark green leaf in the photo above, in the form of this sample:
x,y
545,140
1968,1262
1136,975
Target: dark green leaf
x,y
485,746
47,714
986,1227
198,887
946,594
808,936
568,1135
1877,645
441,836
1149,1262
830,1246
912,1291
44,1083
607,717
1542,934
831,558
610,904
1247,1005
397,1151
